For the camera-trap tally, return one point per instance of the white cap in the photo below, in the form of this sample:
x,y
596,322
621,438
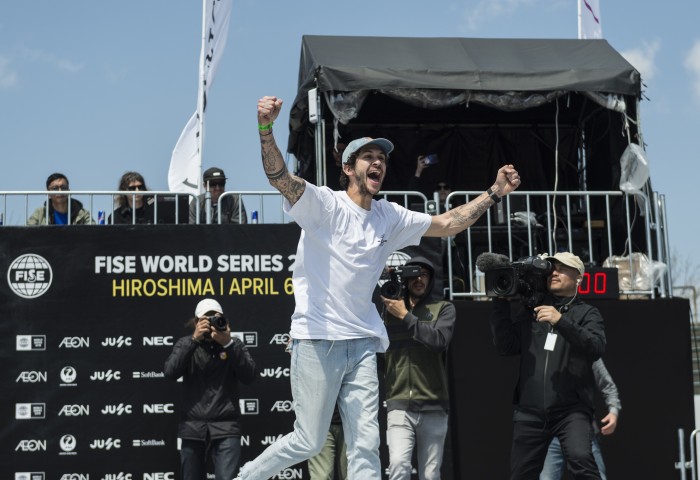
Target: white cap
x,y
207,305
568,259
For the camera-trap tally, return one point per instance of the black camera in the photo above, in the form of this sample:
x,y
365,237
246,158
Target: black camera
x,y
393,287
526,277
219,322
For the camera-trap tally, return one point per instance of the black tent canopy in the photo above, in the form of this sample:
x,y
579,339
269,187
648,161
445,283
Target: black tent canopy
x,y
542,104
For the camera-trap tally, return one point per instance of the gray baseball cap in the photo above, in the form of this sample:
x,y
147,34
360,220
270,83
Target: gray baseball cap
x,y
385,146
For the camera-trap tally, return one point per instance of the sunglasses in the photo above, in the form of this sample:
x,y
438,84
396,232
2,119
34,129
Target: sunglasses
x,y
443,187
217,184
133,188
59,188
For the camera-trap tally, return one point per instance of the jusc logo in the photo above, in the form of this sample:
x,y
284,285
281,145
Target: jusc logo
x,y
31,446
269,440
117,476
74,410
74,342
275,372
118,342
31,376
282,406
116,409
107,444
107,376
29,275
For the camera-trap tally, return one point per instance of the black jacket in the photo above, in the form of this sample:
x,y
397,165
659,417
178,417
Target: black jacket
x,y
210,377
558,382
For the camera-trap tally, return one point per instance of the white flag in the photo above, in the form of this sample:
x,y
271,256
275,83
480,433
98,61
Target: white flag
x,y
589,26
185,170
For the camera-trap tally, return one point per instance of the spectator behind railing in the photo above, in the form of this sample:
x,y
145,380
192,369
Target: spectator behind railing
x,y
131,208
232,208
59,208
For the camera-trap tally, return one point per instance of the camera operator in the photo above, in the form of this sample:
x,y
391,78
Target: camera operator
x,y
558,341
417,396
211,363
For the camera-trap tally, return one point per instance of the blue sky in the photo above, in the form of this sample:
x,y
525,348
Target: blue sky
x,y
93,89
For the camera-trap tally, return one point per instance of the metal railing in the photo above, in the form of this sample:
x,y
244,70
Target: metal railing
x,y
593,225
587,224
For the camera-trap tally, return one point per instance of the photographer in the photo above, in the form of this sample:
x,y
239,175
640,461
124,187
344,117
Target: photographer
x,y
558,341
211,363
417,396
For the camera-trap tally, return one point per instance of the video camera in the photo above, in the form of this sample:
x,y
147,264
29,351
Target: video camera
x,y
219,322
526,277
394,286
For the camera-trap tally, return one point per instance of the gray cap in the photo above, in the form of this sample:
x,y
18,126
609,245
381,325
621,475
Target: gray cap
x,y
385,146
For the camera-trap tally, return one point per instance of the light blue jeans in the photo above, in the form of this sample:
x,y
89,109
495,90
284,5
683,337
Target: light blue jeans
x,y
323,371
425,430
554,462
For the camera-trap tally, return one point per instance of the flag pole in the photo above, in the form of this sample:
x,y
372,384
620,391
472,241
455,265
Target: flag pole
x,y
202,93
578,2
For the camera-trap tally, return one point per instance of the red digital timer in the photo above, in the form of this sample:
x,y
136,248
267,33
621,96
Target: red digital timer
x,y
599,283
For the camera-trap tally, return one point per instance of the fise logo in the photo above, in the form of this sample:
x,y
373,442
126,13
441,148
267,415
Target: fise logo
x,y
30,411
249,406
29,275
27,343
29,476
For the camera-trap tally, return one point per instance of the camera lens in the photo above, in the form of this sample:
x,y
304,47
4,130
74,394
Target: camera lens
x,y
218,322
391,289
503,284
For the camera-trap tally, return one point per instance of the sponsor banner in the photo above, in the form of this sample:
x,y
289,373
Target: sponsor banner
x,y
87,328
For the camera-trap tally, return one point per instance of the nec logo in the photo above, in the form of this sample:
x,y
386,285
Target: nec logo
x,y
31,376
116,409
118,342
107,444
280,339
117,476
157,341
282,406
275,372
31,446
74,410
159,408
107,376
159,476
75,342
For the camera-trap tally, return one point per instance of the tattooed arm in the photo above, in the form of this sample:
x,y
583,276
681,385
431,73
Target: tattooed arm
x,y
462,217
290,186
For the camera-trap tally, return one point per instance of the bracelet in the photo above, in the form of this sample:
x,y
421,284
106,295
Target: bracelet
x,y
493,196
262,128
269,132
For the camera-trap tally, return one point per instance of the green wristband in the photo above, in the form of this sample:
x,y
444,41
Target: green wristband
x,y
263,128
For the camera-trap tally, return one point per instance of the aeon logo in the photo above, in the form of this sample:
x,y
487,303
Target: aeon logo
x,y
282,406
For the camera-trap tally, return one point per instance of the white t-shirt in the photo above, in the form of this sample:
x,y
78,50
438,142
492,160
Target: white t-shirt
x,y
342,252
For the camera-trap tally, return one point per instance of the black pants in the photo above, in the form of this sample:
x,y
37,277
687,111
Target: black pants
x,y
531,440
225,455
